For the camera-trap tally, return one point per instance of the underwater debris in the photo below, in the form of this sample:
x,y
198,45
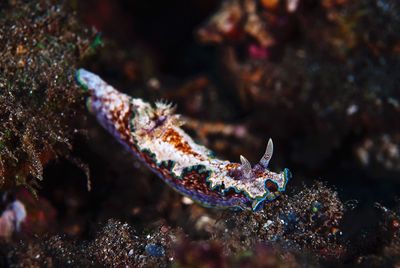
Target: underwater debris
x,y
155,136
206,129
40,42
233,22
308,221
382,150
116,244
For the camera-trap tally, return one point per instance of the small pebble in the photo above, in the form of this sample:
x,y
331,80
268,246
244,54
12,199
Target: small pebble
x,y
155,250
267,224
316,206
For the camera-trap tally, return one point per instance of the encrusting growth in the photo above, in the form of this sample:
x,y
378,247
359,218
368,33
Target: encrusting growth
x,y
154,135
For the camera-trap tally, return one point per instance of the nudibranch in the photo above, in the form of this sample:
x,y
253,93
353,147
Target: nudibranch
x,y
154,134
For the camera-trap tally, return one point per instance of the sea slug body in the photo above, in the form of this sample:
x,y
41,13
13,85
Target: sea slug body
x,y
154,135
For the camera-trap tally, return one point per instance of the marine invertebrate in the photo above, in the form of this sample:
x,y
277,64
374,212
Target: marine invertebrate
x,y
153,133
12,217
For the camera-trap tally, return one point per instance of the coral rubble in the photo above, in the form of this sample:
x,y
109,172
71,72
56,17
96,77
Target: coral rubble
x,y
40,43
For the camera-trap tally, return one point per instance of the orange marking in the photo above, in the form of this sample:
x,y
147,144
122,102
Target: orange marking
x,y
173,137
231,166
